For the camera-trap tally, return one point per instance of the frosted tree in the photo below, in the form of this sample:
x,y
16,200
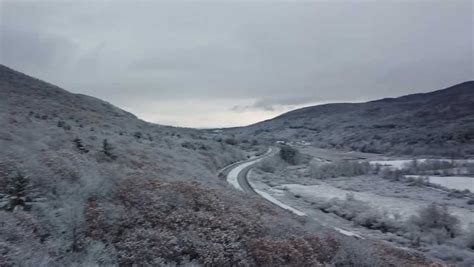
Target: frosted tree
x,y
107,149
17,191
80,146
289,154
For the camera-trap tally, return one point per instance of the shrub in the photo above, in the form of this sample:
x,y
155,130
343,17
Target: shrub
x,y
436,221
418,181
269,165
183,220
469,237
138,135
351,253
80,146
107,149
289,154
453,255
17,192
339,168
392,175
360,213
64,125
294,251
188,145
231,141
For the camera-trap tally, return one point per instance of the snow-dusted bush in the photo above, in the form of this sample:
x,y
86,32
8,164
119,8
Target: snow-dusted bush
x,y
269,164
290,154
188,145
79,145
17,192
167,221
435,224
231,141
418,181
360,213
428,166
21,239
452,254
107,149
351,253
294,251
392,175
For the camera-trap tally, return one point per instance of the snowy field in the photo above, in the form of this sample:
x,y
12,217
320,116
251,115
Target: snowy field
x,y
451,182
392,205
401,163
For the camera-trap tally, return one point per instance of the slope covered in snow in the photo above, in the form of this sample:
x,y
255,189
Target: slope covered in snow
x,y
436,123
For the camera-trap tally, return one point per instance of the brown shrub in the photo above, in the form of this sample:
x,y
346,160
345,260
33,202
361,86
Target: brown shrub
x,y
294,251
180,221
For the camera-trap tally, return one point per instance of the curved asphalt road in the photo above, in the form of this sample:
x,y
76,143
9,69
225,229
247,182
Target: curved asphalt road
x,y
236,173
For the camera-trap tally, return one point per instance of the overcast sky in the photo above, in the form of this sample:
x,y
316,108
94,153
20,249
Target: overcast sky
x,y
229,63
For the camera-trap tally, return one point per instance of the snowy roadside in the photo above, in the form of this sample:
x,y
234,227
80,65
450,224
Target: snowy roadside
x,y
275,201
276,196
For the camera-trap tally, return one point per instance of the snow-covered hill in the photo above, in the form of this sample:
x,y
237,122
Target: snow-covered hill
x,y
436,123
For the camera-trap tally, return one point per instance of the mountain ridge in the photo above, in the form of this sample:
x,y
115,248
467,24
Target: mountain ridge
x,y
423,121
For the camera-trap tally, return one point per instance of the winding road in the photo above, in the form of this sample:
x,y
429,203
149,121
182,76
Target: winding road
x,y
236,175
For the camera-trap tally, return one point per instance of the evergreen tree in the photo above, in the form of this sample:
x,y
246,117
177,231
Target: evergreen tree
x,y
17,190
138,135
107,149
289,154
80,146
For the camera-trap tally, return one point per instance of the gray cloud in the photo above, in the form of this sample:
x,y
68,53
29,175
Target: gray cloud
x,y
264,57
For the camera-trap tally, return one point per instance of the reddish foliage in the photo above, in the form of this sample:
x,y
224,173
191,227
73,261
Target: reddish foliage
x,y
195,219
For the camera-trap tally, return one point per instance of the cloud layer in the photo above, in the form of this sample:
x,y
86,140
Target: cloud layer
x,y
207,64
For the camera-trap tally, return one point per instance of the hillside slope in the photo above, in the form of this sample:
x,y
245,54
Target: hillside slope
x,y
436,123
104,187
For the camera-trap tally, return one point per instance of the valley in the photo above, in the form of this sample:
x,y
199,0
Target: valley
x,y
84,183
369,204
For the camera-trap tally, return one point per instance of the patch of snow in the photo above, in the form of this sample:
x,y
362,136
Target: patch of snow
x,y
276,191
400,163
451,182
397,164
279,203
347,233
